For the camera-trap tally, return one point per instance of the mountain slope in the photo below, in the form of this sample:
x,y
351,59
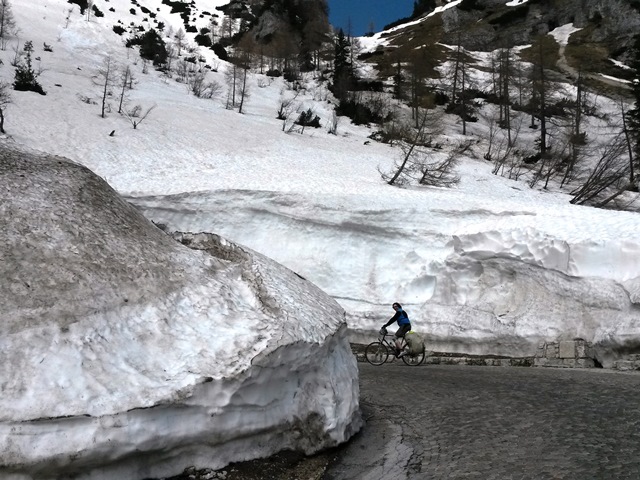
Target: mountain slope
x,y
491,265
604,36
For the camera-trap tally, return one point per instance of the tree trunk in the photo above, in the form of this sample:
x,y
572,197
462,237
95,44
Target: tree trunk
x,y
243,90
410,151
628,143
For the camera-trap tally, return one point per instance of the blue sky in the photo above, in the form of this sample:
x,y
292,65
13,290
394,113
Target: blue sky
x,y
363,12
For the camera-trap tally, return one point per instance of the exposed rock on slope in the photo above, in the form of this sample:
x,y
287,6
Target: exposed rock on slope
x,y
605,29
124,354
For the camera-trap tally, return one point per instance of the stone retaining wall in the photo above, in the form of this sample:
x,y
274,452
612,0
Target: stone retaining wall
x,y
576,353
630,363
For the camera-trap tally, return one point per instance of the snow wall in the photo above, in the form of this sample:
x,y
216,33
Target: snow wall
x,y
475,279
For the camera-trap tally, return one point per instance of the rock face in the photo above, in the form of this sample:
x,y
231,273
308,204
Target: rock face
x,y
605,30
124,354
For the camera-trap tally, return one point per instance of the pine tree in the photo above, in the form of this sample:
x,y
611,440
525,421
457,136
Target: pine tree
x,y
25,77
342,68
152,47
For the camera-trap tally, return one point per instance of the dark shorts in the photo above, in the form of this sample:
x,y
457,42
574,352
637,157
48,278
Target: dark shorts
x,y
403,330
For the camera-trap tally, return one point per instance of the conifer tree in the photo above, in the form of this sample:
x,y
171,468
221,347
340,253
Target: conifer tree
x,y
342,68
26,77
633,115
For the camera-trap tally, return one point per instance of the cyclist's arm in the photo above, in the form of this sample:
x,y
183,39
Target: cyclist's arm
x,y
393,319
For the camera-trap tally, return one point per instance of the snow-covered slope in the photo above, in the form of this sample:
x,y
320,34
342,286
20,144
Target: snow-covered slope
x,y
490,265
124,354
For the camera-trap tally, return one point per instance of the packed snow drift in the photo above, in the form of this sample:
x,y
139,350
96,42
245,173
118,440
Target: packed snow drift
x,y
124,354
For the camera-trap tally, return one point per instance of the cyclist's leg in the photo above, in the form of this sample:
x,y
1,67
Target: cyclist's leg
x,y
402,331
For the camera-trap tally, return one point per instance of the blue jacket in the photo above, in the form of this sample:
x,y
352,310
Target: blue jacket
x,y
401,317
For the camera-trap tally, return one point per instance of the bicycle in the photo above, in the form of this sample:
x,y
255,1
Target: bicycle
x,y
377,352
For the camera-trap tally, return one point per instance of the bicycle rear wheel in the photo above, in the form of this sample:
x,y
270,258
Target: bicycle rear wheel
x,y
413,360
376,353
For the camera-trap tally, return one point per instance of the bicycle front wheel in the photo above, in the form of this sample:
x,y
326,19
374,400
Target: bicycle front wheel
x,y
376,353
414,360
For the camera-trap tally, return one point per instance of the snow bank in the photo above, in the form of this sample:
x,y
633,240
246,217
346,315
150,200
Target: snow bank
x,y
475,276
124,354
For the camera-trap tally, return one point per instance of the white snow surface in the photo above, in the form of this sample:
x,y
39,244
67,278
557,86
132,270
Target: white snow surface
x,y
490,266
316,203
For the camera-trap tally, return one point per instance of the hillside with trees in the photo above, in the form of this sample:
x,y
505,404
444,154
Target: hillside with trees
x,y
527,85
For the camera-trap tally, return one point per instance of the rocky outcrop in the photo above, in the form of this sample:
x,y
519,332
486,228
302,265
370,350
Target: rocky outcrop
x,y
491,24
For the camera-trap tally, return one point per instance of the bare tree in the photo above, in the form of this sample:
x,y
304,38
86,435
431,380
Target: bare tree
x,y
213,29
89,9
17,54
171,56
544,57
180,38
460,103
7,22
126,83
236,78
508,73
287,106
490,120
228,27
201,88
628,137
611,171
577,139
5,100
135,115
407,151
502,149
441,172
105,79
184,69
417,162
418,67
244,86
232,79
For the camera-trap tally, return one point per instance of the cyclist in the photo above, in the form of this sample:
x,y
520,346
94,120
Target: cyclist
x,y
403,323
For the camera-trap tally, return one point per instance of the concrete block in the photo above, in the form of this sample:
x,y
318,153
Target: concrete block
x,y
567,349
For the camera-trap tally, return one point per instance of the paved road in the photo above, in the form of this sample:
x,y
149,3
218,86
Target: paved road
x,y
457,422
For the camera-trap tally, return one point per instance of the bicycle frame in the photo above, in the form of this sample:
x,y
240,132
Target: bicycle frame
x,y
391,342
376,356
